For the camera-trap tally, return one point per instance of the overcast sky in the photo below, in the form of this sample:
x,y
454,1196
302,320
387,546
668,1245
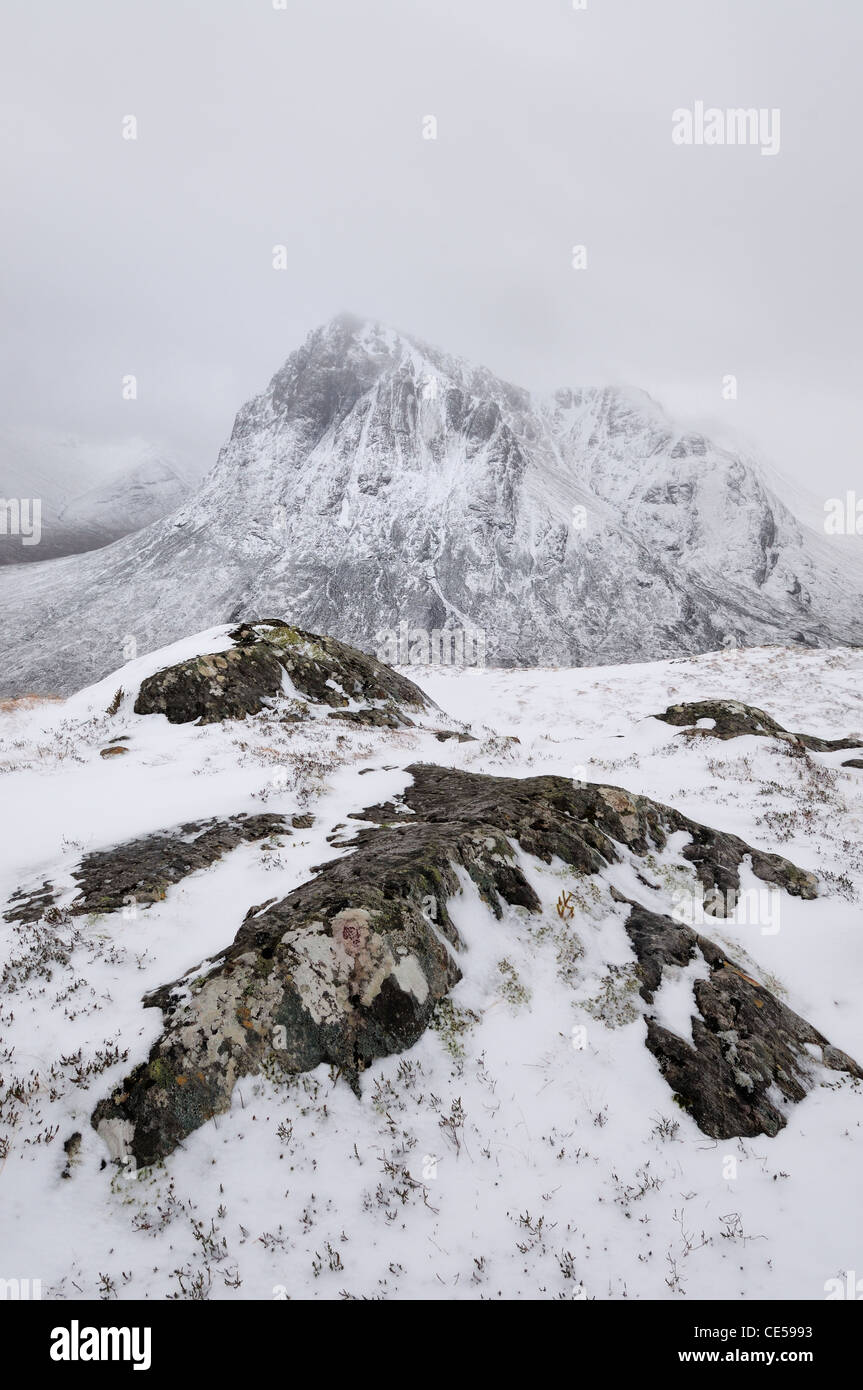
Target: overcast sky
x,y
303,126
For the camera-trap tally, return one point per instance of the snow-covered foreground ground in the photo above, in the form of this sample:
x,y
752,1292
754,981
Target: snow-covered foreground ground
x,y
526,1147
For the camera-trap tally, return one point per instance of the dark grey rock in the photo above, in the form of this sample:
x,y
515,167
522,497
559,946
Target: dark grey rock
x,y
249,676
145,868
747,1047
732,719
351,965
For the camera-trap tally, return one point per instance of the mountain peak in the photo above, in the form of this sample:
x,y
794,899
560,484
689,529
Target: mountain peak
x,y
378,483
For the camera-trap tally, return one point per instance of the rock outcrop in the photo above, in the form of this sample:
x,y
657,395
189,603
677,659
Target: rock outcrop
x,y
351,965
732,719
270,659
144,869
748,1052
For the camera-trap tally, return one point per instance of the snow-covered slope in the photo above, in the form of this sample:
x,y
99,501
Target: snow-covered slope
x,y
89,495
379,481
150,490
527,1145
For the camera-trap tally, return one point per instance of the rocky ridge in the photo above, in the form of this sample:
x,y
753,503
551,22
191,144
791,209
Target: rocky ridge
x,y
379,482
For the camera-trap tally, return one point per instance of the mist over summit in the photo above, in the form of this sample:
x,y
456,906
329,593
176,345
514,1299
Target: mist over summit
x,y
379,481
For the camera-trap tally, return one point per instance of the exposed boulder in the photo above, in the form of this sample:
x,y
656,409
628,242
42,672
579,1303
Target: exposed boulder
x,y
731,719
351,965
270,659
748,1049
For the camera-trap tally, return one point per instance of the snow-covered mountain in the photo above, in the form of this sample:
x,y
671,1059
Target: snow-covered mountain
x,y
378,482
89,495
129,503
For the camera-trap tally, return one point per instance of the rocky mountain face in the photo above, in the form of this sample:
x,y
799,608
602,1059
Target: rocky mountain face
x,y
378,484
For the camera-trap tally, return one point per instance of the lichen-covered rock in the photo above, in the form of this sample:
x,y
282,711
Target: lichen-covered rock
x,y
732,719
225,685
748,1049
351,965
249,676
145,868
583,825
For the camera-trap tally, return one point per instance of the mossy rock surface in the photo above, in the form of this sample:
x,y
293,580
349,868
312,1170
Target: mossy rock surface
x,y
252,674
